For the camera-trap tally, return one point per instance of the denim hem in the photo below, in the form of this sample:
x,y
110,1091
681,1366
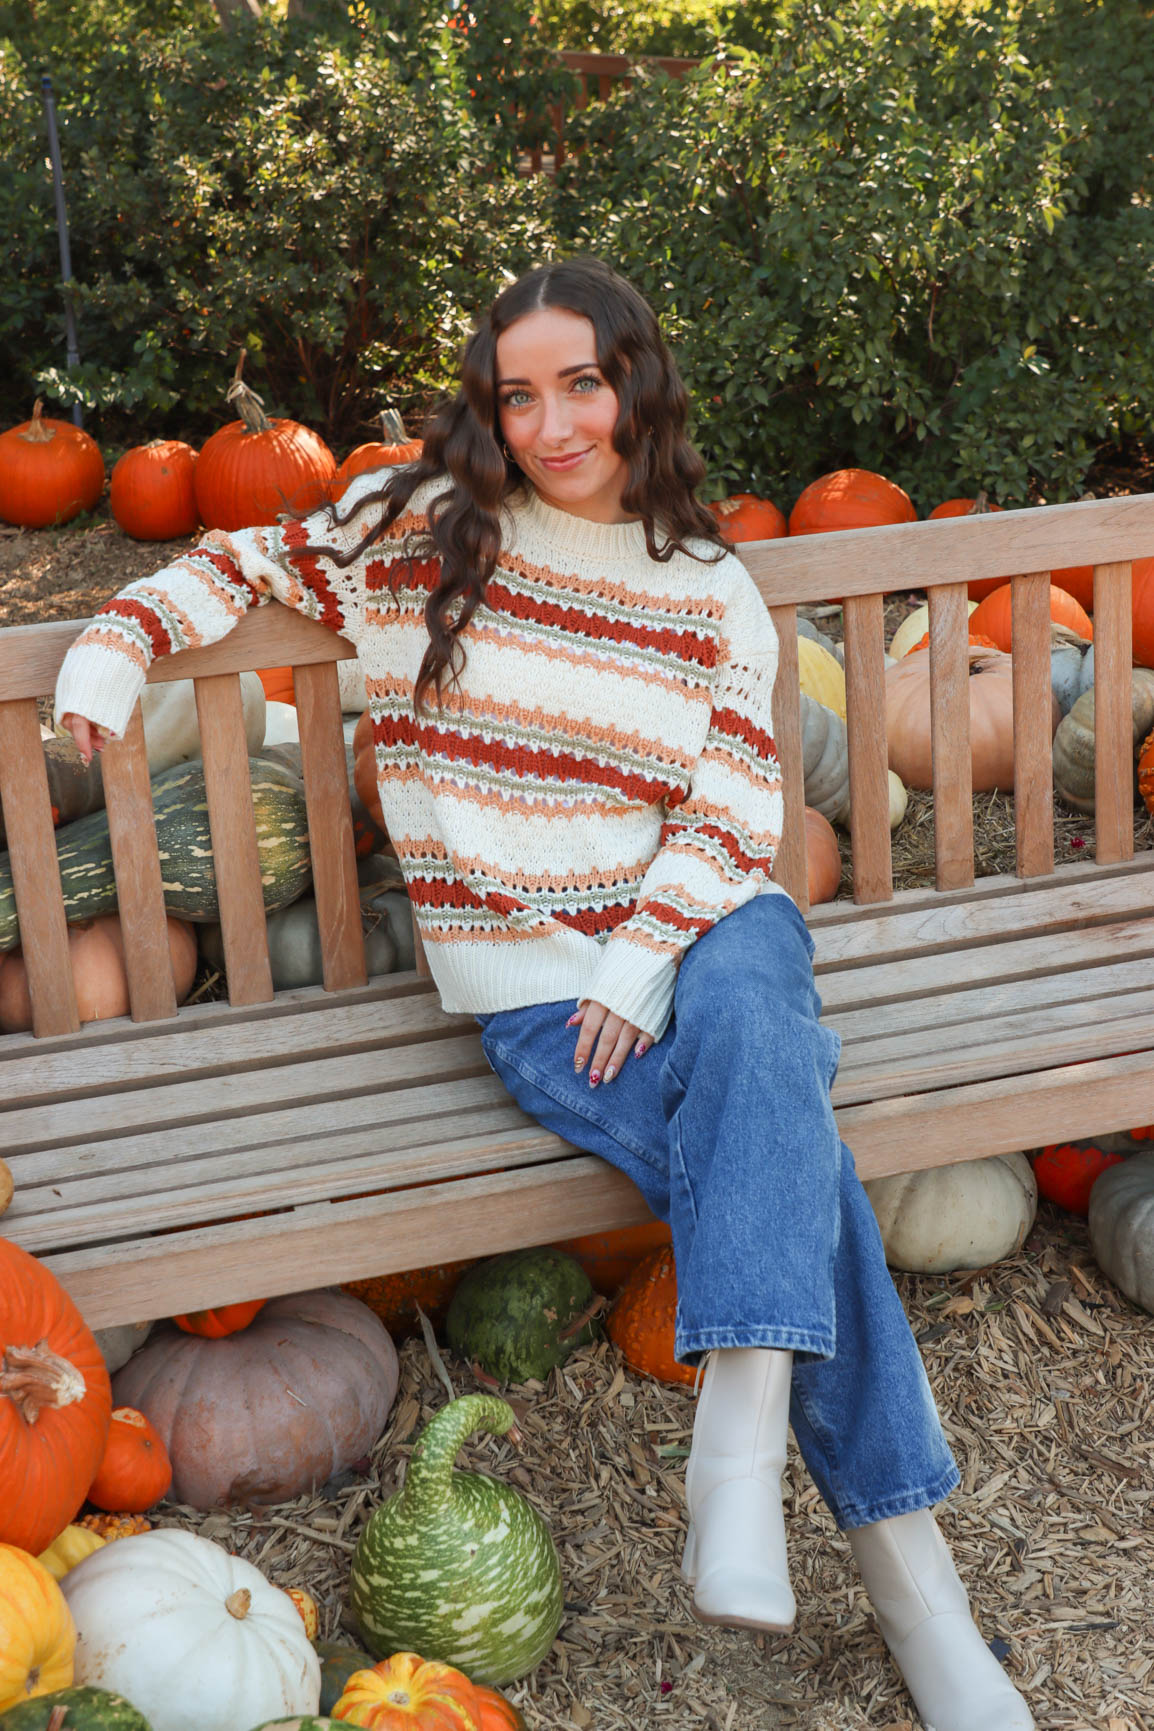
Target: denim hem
x,y
900,1503
691,1342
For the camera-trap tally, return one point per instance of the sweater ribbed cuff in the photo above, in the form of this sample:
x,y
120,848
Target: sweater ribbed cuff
x,y
100,685
634,984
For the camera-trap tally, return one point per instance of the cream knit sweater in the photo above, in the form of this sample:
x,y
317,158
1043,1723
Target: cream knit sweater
x,y
599,790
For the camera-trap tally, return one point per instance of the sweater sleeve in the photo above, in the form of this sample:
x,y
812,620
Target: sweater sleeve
x,y
717,846
198,599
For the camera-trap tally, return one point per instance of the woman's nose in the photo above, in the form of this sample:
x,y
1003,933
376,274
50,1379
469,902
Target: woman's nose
x,y
556,421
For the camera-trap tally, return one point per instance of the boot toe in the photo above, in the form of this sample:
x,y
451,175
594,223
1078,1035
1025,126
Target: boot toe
x,y
955,1681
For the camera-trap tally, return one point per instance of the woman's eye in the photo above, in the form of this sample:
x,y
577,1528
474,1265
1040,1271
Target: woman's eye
x,y
590,379
514,399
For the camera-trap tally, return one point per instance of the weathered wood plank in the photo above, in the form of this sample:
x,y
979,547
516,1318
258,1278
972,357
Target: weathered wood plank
x,y
869,791
35,873
789,868
235,852
1033,734
1113,723
139,880
950,737
348,1240
331,844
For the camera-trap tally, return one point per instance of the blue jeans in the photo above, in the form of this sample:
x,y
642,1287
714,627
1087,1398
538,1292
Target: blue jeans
x,y
726,1128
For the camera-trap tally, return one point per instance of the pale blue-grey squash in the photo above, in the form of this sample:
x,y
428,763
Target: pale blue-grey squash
x,y
1122,1227
455,1565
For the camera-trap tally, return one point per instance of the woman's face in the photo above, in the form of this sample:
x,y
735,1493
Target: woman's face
x,y
556,414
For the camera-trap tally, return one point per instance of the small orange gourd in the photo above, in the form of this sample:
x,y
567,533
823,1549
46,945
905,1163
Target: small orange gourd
x,y
37,1634
136,1471
745,517
497,1714
408,1693
641,1323
225,1319
307,1607
822,858
111,1527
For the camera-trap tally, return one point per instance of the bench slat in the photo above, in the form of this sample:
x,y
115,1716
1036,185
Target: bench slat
x,y
174,1052
437,1148
1054,906
789,868
463,1083
920,977
950,737
349,1240
868,754
331,845
1033,735
35,873
139,881
1113,724
236,856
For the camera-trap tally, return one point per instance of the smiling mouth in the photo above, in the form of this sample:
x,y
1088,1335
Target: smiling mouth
x,y
565,462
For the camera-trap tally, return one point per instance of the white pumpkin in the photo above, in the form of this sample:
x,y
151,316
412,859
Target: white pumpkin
x,y
119,1342
1122,1227
196,1639
281,724
913,628
1071,670
967,1215
899,799
171,729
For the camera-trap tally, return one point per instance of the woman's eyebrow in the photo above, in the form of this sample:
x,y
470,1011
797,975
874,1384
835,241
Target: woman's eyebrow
x,y
563,373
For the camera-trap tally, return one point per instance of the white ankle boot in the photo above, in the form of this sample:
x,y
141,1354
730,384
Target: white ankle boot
x,y
735,1548
921,1605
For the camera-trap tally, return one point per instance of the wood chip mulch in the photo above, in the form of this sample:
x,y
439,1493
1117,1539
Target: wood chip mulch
x,y
1045,1378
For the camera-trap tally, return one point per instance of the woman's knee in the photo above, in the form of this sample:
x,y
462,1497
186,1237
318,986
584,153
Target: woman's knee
x,y
752,967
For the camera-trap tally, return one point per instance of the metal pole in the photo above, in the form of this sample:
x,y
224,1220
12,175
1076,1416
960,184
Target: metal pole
x,y
62,233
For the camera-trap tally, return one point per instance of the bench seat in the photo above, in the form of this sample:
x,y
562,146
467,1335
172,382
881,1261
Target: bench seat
x,y
241,1152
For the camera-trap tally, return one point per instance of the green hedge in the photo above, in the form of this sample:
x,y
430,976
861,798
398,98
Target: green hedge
x,y
916,237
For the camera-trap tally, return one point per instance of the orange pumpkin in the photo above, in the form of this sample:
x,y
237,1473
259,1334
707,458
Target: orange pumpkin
x,y
96,951
822,858
1078,581
408,1693
50,471
151,492
975,642
609,1258
395,1297
849,499
277,683
641,1323
497,1714
392,448
745,517
1066,1172
365,770
991,694
55,1403
252,470
1146,772
37,1634
1142,610
993,617
136,1471
224,1320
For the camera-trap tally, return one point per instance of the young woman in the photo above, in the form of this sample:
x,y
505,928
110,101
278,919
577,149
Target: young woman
x,y
571,679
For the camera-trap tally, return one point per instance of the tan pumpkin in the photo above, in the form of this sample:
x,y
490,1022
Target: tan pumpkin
x,y
37,1634
271,1411
912,628
96,949
1074,740
991,695
822,858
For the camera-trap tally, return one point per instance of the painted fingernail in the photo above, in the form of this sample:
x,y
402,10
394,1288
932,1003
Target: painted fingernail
x,y
574,1018
578,1064
594,1078
610,1072
641,1048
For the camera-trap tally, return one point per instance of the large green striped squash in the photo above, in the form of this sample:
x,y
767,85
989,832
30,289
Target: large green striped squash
x,y
308,1723
184,841
456,1566
88,1709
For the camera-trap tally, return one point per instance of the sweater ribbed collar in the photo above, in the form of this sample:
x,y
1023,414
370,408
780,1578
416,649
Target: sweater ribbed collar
x,y
576,537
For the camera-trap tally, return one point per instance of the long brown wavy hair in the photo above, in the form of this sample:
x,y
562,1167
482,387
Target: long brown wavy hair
x,y
462,444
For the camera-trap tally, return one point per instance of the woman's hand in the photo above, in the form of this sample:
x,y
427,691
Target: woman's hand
x,y
88,736
608,1038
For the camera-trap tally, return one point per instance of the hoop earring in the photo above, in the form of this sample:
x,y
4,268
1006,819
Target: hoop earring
x,y
509,457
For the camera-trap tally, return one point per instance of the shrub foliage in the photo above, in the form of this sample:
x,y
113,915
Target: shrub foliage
x,y
915,237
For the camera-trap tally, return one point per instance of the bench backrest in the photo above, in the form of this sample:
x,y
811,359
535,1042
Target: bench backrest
x,y
856,567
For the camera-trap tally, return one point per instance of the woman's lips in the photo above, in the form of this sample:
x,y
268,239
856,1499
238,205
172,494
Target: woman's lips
x,y
569,461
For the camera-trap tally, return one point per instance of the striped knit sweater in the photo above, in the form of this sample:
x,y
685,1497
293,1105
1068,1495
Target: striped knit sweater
x,y
600,789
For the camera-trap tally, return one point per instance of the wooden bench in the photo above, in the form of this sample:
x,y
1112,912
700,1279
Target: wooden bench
x,y
234,1150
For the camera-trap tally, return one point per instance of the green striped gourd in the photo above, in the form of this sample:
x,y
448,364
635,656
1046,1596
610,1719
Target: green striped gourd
x,y
184,841
88,1709
456,1566
307,1723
